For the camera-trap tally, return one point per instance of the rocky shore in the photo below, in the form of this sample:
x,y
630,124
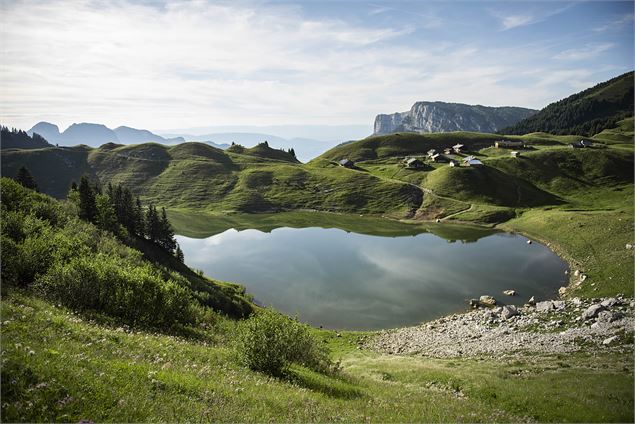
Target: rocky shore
x,y
548,327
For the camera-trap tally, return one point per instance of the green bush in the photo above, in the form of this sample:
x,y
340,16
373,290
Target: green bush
x,y
135,294
270,342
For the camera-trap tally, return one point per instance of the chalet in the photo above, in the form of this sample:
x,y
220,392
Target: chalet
x,y
413,163
457,148
471,161
438,158
447,151
515,153
576,145
347,163
453,163
586,143
431,152
474,162
509,143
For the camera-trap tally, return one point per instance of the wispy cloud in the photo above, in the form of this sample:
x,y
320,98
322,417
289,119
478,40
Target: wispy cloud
x,y
514,20
188,64
587,52
616,23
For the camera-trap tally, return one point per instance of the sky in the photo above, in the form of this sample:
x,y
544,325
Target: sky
x,y
160,65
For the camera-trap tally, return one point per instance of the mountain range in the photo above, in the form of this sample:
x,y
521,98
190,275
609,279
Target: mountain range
x,y
427,117
95,135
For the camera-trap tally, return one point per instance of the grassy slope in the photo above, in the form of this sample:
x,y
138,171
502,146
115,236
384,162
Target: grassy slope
x,y
579,200
201,177
58,366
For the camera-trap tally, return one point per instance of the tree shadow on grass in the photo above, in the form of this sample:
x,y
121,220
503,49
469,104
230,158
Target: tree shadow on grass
x,y
333,386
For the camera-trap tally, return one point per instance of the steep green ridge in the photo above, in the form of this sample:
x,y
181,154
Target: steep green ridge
x,y
45,245
585,113
18,139
197,175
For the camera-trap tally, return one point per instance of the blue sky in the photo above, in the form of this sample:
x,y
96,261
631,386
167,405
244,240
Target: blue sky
x,y
161,65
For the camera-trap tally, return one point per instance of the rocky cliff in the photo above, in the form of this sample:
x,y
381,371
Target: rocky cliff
x,y
443,117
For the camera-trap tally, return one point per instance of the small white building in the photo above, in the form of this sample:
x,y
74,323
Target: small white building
x,y
515,153
457,148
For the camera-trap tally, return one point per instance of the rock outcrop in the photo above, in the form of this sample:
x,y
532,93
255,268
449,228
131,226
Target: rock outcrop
x,y
429,117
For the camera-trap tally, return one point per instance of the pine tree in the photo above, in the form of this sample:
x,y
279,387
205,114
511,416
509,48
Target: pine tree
x,y
127,204
140,225
153,225
166,239
179,254
87,204
73,186
25,178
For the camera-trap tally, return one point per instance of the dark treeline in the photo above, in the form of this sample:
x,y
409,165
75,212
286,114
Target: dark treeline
x,y
116,208
586,113
14,138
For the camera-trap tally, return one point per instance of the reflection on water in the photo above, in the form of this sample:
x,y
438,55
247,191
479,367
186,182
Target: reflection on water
x,y
346,280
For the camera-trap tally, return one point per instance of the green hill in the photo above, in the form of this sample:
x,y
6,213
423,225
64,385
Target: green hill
x,y
585,113
198,176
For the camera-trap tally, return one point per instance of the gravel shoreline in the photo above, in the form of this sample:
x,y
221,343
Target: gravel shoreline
x,y
549,327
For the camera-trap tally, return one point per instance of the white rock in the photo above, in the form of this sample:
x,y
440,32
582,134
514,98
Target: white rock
x,y
532,301
611,301
544,306
629,246
562,291
592,311
576,273
559,304
509,292
508,312
609,340
487,300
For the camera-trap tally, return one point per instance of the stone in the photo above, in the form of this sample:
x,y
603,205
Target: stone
x,y
487,300
544,306
592,311
474,303
508,312
576,273
629,246
528,241
562,291
583,277
576,301
611,301
609,340
559,304
532,301
608,316
509,292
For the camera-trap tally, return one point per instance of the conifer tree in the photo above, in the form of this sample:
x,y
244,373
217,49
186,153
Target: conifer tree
x,y
166,240
87,204
153,225
179,254
25,178
139,219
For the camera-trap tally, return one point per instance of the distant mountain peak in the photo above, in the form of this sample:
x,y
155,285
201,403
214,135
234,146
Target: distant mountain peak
x,y
437,116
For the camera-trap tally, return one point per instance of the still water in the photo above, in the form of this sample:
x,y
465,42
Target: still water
x,y
345,280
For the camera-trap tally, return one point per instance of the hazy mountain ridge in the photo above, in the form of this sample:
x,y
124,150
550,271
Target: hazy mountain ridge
x,y
96,134
444,117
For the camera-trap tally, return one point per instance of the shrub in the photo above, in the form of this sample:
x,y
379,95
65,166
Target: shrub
x,y
110,285
270,342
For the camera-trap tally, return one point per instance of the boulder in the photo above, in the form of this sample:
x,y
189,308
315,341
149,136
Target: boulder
x,y
544,306
611,301
559,304
508,312
608,316
576,273
474,303
562,291
509,292
532,301
487,300
528,241
609,340
592,311
629,246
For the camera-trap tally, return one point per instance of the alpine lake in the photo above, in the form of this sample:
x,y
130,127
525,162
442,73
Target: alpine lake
x,y
369,273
